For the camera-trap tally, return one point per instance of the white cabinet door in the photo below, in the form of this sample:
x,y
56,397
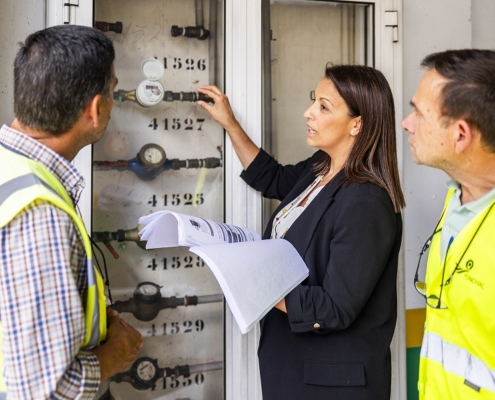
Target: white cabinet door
x,y
364,32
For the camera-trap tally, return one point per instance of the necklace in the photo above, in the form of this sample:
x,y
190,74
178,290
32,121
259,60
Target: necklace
x,y
327,177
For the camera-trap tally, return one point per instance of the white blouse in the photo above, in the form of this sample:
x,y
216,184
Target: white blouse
x,y
286,217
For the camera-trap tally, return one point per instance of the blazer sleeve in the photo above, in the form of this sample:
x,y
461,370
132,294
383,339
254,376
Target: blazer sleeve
x,y
364,237
272,179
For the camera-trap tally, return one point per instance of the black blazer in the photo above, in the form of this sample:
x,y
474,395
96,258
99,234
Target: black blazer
x,y
334,341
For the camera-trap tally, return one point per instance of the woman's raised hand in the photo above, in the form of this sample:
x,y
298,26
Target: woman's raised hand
x,y
221,110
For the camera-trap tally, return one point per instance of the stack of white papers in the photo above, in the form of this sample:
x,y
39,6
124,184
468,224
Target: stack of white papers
x,y
254,274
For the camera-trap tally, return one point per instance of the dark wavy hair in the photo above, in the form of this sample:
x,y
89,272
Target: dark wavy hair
x,y
373,157
57,71
470,90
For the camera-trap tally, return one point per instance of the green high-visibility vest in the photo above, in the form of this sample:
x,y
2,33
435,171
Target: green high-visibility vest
x,y
24,182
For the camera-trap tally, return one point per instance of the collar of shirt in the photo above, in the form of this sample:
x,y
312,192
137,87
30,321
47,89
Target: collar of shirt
x,y
458,215
65,172
473,206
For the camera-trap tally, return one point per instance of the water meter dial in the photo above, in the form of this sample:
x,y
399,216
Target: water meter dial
x,y
152,155
150,92
145,372
147,292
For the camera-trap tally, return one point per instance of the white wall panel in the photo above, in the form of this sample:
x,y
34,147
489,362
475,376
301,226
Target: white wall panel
x,y
483,28
17,20
429,26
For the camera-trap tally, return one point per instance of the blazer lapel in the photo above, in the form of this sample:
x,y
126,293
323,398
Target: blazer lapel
x,y
305,180
302,230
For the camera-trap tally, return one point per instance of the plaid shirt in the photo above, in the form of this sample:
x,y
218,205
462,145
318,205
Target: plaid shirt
x,y
43,286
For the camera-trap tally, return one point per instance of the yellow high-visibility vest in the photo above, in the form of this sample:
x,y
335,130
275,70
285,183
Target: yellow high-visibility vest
x,y
458,352
24,182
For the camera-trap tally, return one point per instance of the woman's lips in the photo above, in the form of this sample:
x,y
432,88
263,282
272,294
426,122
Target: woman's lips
x,y
310,132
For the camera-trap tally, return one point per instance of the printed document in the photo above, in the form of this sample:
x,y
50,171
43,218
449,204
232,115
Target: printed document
x,y
170,229
254,274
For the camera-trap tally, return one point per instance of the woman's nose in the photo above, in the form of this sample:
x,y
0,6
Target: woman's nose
x,y
308,114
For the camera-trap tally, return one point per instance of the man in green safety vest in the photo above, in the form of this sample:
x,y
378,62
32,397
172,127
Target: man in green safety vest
x,y
58,339
452,127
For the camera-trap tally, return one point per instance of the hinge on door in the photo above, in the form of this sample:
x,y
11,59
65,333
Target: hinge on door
x,y
392,21
67,7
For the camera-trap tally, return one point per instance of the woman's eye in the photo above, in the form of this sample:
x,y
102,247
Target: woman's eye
x,y
323,108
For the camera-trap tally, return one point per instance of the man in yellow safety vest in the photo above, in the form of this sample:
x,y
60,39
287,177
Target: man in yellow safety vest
x,y
58,339
452,127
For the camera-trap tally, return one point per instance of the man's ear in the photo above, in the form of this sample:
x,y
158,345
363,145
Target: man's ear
x,y
463,135
92,111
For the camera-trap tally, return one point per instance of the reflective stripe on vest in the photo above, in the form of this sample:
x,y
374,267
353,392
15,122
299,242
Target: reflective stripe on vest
x,y
27,181
18,183
458,361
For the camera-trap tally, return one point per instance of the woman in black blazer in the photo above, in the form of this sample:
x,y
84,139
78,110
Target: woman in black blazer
x,y
330,337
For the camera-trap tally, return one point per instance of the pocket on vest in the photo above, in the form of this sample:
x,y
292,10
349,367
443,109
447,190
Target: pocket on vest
x,y
326,373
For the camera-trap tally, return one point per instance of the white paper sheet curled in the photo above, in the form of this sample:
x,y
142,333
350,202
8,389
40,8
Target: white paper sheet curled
x,y
254,276
169,229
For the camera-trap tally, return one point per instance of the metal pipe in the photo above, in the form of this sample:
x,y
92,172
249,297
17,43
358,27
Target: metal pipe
x,y
211,366
198,31
108,26
185,96
210,298
199,13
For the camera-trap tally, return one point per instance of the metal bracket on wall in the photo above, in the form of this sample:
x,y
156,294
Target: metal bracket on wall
x,y
67,8
392,21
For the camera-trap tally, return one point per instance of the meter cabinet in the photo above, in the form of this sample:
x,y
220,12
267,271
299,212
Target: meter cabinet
x,y
162,151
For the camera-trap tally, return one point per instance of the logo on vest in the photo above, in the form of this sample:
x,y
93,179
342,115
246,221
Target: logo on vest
x,y
464,270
